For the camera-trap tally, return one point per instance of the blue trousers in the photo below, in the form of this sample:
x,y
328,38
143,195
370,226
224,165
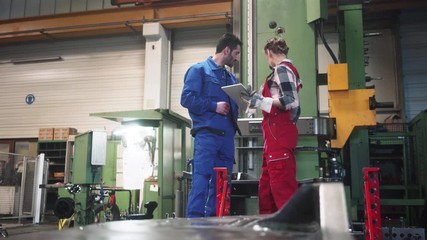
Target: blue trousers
x,y
210,151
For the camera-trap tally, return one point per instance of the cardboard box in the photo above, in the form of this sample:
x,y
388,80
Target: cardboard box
x,y
45,134
63,133
58,174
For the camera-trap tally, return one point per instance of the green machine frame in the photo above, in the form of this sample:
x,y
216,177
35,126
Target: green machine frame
x,y
297,19
172,146
352,52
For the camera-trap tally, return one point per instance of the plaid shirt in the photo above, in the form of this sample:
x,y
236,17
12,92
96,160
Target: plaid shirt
x,y
284,84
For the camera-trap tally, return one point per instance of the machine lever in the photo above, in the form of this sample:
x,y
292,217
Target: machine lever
x,y
373,104
150,206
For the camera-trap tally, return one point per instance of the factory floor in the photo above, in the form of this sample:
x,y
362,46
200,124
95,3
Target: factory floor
x,y
15,229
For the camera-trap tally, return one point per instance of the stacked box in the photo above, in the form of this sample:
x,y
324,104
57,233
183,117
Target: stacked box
x,y
45,134
63,133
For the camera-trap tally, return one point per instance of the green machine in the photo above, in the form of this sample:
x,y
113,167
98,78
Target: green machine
x,y
89,157
295,21
300,23
170,146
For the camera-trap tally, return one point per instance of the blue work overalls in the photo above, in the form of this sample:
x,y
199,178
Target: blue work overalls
x,y
214,140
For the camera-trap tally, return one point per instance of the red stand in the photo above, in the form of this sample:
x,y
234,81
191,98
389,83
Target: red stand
x,y
372,204
222,192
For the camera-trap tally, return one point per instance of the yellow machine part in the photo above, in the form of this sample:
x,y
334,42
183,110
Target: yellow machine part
x,y
337,77
350,108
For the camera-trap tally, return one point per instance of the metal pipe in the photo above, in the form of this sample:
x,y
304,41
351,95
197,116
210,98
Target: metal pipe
x,y
179,211
22,191
251,47
38,193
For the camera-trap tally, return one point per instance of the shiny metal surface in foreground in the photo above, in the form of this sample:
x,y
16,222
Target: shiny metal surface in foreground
x,y
317,211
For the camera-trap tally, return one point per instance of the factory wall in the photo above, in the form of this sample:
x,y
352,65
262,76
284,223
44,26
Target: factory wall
x,y
413,38
94,75
190,46
104,74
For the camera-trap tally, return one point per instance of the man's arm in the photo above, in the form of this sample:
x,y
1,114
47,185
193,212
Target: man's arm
x,y
192,97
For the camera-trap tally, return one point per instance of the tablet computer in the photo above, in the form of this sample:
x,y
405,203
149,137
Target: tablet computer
x,y
234,91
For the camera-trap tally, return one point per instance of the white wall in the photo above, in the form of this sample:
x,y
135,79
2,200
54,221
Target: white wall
x,y
190,46
96,75
104,74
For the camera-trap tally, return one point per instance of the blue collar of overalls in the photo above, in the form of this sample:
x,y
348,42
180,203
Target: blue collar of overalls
x,y
213,65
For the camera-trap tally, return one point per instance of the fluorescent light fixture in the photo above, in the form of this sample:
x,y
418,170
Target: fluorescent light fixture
x,y
132,130
36,60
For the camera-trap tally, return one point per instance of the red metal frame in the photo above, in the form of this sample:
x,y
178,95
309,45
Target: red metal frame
x,y
372,204
222,192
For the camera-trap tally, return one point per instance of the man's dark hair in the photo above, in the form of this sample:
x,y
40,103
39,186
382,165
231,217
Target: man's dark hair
x,y
228,40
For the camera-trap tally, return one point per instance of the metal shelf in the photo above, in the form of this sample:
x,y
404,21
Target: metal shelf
x,y
393,153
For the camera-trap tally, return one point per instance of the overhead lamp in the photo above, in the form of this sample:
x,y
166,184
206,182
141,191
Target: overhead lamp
x,y
36,60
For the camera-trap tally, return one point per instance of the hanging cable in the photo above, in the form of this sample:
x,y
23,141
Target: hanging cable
x,y
322,37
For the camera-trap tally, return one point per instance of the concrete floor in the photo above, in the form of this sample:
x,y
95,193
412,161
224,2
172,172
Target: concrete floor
x,y
30,228
15,229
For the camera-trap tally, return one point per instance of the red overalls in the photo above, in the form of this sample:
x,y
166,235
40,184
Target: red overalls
x,y
278,181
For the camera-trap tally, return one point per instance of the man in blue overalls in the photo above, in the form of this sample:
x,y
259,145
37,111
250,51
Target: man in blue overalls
x,y
214,117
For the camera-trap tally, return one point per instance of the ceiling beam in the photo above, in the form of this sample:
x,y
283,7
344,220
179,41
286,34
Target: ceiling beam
x,y
390,5
117,20
375,6
171,14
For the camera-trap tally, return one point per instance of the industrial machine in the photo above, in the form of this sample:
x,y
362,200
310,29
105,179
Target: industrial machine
x,y
331,148
322,156
104,178
168,149
89,157
321,138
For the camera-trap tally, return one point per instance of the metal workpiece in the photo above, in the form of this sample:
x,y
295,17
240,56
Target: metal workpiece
x,y
307,126
317,211
317,126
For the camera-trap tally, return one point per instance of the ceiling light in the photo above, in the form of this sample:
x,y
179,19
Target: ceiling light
x,y
36,60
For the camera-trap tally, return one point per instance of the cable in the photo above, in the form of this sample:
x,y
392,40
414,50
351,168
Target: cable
x,y
322,37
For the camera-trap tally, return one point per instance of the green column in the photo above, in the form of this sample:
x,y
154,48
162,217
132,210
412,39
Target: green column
x,y
351,45
351,49
300,36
